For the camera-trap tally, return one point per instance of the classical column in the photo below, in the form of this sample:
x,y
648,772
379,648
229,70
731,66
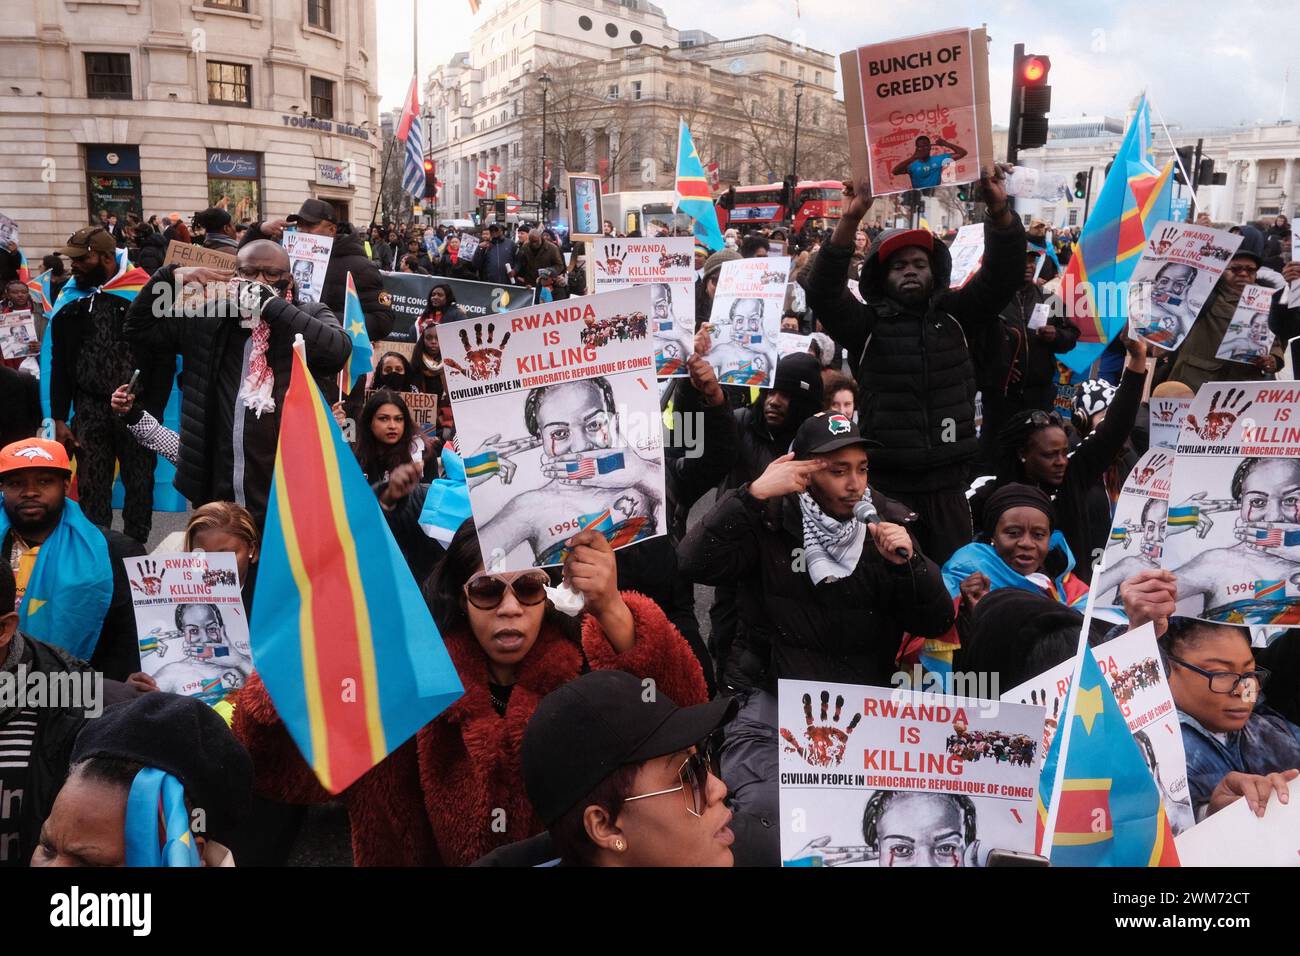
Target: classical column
x,y
1252,190
1288,187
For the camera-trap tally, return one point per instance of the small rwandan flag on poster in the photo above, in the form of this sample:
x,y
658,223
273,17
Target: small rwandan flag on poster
x,y
341,635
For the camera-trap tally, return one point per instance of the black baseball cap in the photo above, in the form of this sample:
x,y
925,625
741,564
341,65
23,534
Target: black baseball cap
x,y
827,432
313,211
586,729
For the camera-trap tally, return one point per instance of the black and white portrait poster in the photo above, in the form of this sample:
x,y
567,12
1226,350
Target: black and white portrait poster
x,y
557,416
309,260
1179,267
746,320
1233,537
190,620
667,266
1137,530
876,776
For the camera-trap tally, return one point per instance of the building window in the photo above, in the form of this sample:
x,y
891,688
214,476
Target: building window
x,y
240,5
613,91
234,184
1272,176
635,36
230,84
322,98
785,68
1074,217
319,15
668,90
636,89
584,22
611,30
113,181
108,76
817,77
801,72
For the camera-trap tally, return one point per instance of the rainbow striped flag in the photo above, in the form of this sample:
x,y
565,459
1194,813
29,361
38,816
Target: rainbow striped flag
x,y
1135,196
340,633
362,361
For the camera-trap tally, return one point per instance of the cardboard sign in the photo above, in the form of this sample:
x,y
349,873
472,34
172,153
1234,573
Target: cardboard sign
x,y
746,320
18,335
423,407
187,254
558,422
1248,336
309,260
918,110
1233,537
1179,267
190,619
667,266
895,778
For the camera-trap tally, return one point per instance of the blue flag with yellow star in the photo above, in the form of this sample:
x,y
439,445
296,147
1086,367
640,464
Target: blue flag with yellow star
x,y
1109,812
694,197
362,360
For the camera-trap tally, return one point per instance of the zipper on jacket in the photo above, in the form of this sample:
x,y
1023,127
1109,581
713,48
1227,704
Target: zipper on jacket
x,y
925,384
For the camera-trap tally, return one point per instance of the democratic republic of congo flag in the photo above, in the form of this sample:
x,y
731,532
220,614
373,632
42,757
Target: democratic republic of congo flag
x,y
362,361
1135,196
39,286
340,633
1109,811
694,197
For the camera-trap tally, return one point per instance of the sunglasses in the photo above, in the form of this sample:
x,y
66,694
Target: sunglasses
x,y
694,776
487,590
1038,418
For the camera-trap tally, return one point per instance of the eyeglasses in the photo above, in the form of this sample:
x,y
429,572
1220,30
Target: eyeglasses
x,y
694,776
1041,418
271,276
486,591
1226,682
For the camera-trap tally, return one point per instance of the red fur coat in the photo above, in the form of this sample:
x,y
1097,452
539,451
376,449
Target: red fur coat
x,y
455,791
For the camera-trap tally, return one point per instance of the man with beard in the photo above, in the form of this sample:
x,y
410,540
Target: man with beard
x,y
90,358
72,588
236,345
909,334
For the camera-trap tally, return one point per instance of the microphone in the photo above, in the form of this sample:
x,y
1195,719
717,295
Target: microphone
x,y
865,512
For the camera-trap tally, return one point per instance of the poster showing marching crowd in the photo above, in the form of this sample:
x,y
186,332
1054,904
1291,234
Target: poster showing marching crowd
x,y
667,267
559,425
874,776
918,110
1233,534
1137,531
1178,270
189,615
746,320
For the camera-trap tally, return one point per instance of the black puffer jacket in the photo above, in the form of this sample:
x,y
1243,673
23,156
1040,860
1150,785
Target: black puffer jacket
x,y
349,255
201,341
914,367
151,253
845,631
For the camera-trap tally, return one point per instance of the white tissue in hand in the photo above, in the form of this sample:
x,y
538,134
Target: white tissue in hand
x,y
566,600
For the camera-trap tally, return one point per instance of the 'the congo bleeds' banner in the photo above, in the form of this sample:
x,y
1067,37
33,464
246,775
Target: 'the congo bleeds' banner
x,y
557,416
918,110
888,777
1233,536
667,266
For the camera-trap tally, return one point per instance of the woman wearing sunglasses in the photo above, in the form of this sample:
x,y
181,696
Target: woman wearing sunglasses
x,y
642,789
455,791
1034,449
1236,746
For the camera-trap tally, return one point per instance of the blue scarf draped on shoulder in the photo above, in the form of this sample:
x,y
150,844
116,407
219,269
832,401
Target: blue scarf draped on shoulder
x,y
71,585
978,556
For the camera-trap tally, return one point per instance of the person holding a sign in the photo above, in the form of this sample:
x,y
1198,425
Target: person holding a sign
x,y
826,589
452,264
910,334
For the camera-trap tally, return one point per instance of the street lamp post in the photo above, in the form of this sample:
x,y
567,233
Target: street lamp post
x,y
798,97
545,82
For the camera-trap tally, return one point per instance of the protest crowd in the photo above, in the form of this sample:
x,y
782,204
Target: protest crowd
x,y
851,514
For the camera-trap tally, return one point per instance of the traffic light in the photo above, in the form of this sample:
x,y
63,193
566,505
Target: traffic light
x,y
430,180
1186,156
787,194
548,198
1080,185
1206,176
728,199
964,192
1031,99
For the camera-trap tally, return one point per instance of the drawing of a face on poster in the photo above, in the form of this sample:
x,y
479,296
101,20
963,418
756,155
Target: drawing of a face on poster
x,y
593,476
302,273
746,351
1139,550
204,662
1242,567
1164,304
906,829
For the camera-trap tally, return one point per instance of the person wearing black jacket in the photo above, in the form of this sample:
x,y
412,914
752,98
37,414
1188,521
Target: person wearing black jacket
x,y
452,264
228,431
20,405
909,342
495,259
1035,451
150,248
822,596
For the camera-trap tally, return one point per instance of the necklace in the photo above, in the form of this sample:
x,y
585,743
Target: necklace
x,y
497,702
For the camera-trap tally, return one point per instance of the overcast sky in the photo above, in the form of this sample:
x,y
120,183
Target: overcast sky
x,y
1204,63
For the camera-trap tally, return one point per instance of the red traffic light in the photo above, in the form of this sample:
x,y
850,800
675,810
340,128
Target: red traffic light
x,y
428,166
1034,69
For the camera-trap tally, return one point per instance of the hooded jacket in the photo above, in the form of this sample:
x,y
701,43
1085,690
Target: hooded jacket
x,y
349,255
433,800
913,364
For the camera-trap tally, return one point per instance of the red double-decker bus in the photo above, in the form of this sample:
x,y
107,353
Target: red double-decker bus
x,y
816,200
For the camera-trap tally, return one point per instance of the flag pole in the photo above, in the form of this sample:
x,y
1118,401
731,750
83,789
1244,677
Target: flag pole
x,y
1196,207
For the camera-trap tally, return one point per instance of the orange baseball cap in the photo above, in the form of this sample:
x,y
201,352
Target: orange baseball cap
x,y
33,453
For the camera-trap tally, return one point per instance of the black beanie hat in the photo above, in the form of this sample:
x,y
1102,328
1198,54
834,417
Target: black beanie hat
x,y
800,375
184,737
1015,495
